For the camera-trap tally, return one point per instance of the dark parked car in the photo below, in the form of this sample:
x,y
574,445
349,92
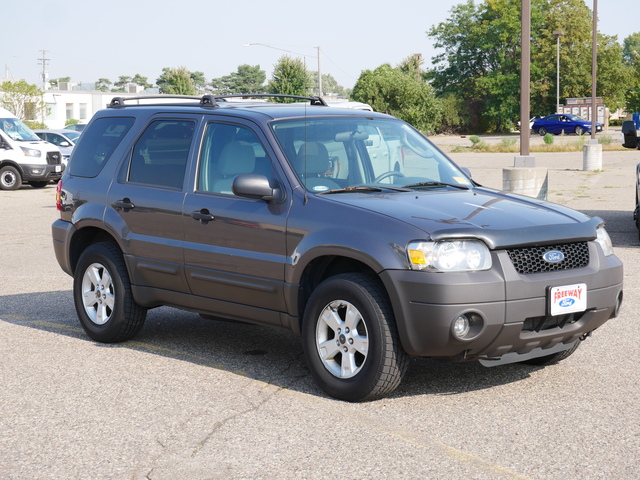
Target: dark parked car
x,y
347,227
630,140
563,124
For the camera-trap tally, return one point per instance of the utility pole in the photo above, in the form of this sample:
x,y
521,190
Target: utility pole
x,y
44,62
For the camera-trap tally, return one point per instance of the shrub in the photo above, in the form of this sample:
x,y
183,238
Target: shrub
x,y
474,139
508,141
605,140
548,139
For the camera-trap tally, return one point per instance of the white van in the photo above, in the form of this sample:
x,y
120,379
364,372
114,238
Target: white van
x,y
24,157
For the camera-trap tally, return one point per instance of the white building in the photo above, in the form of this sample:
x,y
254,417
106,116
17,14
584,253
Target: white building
x,y
66,104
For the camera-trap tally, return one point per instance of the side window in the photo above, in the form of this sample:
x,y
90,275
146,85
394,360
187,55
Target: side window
x,y
160,155
228,151
97,144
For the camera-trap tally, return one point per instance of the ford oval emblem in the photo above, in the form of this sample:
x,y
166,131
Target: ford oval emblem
x,y
553,256
566,302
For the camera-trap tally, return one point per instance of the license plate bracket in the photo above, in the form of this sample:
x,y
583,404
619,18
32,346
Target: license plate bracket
x,y
567,299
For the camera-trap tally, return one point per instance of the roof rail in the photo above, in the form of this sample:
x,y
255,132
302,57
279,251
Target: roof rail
x,y
212,100
313,100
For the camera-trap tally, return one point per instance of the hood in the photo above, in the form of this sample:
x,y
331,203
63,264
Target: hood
x,y
499,219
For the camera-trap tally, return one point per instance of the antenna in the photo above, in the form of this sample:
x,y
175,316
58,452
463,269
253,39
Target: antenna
x,y
44,62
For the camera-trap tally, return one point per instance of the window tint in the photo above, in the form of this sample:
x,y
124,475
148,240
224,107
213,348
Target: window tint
x,y
228,151
160,155
97,144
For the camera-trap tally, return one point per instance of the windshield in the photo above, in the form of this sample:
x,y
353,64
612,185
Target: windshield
x,y
73,136
338,153
17,130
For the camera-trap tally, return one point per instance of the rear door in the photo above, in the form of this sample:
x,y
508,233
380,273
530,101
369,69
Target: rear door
x,y
147,199
235,247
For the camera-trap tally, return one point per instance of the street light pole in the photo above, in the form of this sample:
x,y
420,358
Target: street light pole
x,y
558,34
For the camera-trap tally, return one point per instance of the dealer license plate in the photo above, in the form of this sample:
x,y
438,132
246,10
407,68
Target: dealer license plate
x,y
568,299
58,168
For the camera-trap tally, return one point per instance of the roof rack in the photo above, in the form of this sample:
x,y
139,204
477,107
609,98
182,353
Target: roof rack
x,y
212,100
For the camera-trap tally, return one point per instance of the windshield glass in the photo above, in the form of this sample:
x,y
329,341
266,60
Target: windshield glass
x,y
71,135
337,153
17,130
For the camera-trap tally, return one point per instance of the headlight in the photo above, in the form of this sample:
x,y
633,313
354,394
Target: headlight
x,y
449,256
30,152
605,241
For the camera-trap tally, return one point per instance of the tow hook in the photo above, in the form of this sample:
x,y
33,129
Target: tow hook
x,y
585,336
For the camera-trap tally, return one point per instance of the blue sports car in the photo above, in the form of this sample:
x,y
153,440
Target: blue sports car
x,y
563,123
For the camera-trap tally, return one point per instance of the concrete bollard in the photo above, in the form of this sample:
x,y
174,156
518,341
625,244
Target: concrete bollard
x,y
532,182
592,156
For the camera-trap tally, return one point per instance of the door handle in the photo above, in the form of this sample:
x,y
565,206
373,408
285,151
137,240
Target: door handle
x,y
125,204
203,215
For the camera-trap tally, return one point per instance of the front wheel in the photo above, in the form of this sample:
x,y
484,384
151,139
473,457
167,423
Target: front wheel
x,y
542,131
579,130
350,339
10,178
102,295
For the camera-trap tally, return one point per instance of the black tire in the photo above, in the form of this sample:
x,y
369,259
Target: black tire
x,y
39,184
542,131
376,372
10,178
554,357
112,316
579,130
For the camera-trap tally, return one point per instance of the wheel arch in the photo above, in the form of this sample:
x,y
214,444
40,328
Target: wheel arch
x,y
323,267
85,237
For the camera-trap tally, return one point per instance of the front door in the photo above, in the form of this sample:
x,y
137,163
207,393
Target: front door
x,y
234,246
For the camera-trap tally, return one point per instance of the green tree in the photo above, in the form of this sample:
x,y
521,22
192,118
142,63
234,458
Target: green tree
x,y
121,83
631,56
176,81
22,99
290,77
103,84
403,95
481,59
140,80
247,79
329,84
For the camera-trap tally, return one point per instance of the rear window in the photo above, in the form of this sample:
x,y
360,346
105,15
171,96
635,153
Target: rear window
x,y
96,145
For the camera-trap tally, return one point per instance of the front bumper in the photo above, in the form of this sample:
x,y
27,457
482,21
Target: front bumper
x,y
40,172
511,309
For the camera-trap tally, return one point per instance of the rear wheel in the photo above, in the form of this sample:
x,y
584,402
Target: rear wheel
x,y
553,358
542,131
350,339
10,178
102,295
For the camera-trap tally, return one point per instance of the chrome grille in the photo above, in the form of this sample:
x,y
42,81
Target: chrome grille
x,y
530,259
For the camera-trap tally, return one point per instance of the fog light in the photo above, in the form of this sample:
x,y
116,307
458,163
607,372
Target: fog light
x,y
461,326
36,171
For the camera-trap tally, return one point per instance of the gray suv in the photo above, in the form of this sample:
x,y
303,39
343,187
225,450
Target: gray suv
x,y
348,228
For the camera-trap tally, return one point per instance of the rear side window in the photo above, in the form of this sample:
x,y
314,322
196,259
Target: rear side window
x,y
160,155
97,144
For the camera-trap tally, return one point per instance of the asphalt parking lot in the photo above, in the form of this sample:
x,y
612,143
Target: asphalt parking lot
x,y
200,399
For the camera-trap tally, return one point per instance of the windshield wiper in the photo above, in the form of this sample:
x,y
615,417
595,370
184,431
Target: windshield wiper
x,y
365,189
436,184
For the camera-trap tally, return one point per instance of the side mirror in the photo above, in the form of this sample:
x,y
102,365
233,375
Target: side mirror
x,y
252,185
630,134
64,143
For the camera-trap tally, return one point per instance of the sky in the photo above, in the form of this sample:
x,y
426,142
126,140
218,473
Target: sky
x,y
88,39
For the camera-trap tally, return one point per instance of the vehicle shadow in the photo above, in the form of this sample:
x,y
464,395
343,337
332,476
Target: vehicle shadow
x,y
264,354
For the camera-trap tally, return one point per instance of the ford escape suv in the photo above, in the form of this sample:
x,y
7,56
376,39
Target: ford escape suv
x,y
347,227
